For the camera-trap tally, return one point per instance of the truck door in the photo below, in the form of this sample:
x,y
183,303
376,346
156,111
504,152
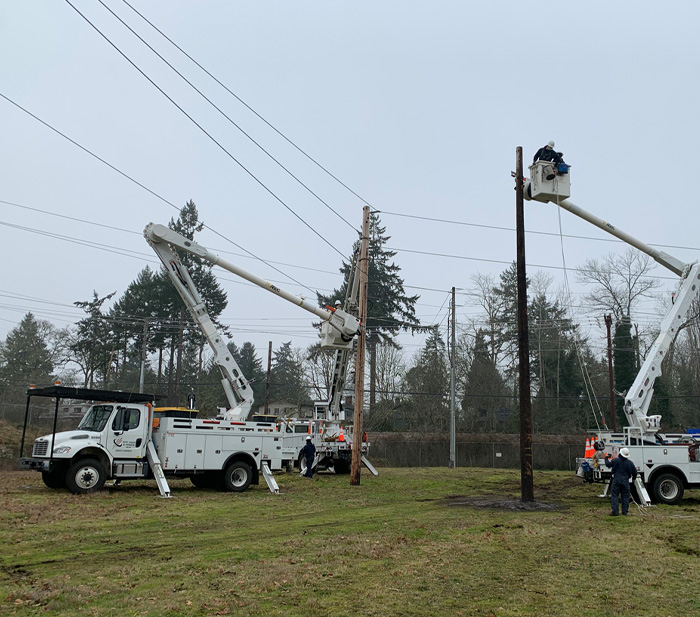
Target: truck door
x,y
127,433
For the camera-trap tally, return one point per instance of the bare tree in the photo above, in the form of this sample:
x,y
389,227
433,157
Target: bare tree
x,y
619,282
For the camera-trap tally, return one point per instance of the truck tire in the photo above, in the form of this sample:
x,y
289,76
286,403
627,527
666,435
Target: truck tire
x,y
85,476
237,477
54,479
667,489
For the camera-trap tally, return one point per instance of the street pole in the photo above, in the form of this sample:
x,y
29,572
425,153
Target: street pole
x,y
613,413
453,437
526,482
363,264
142,374
267,381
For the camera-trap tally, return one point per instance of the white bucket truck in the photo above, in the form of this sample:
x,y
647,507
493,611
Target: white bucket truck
x,y
123,436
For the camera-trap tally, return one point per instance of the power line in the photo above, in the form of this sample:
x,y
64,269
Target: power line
x,y
207,133
239,99
163,199
528,231
230,120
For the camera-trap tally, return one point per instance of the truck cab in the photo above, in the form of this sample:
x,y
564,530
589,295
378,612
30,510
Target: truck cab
x,y
109,442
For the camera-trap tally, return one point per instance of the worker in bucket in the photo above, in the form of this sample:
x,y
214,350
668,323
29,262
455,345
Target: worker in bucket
x,y
623,471
548,154
309,451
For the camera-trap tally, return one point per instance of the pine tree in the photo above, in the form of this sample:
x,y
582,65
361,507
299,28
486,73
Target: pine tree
x,y
624,363
389,309
485,392
427,385
25,359
287,377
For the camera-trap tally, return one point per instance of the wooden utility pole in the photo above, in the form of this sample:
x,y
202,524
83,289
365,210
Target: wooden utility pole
x,y
363,266
613,413
526,482
267,381
453,436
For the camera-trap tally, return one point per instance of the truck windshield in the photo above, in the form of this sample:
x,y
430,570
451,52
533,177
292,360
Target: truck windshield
x,y
96,418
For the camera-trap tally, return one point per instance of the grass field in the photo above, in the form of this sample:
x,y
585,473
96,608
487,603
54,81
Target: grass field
x,y
409,542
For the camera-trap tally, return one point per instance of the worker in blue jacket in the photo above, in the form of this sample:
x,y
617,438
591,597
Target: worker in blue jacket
x,y
309,451
623,471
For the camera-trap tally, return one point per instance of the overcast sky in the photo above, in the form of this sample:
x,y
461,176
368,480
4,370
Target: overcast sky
x,y
417,107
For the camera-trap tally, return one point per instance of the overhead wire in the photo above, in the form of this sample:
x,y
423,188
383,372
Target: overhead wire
x,y
228,118
207,133
161,198
239,99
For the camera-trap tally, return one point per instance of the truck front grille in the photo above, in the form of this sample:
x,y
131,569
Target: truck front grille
x,y
41,447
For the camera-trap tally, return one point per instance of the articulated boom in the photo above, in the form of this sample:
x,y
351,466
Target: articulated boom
x,y
338,329
237,388
638,398
640,393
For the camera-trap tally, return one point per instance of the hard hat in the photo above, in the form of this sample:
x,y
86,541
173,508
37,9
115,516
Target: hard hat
x,y
338,302
308,438
625,452
550,144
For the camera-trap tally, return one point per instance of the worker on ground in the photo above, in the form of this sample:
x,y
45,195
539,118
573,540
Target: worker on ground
x,y
623,471
309,452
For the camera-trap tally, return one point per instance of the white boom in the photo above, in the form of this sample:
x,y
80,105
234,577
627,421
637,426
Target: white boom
x,y
638,397
338,329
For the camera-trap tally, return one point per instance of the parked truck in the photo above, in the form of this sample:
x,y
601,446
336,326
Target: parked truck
x,y
667,464
122,436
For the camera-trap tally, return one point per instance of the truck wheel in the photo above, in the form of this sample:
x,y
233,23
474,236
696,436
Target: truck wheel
x,y
667,489
237,477
54,479
85,476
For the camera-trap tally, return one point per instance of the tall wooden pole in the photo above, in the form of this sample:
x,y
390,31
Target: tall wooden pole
x,y
613,413
526,482
360,354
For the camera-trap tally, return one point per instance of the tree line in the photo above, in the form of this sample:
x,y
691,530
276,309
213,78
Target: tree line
x,y
148,328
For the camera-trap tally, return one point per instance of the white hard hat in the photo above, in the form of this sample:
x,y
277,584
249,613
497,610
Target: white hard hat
x,y
625,452
308,438
550,144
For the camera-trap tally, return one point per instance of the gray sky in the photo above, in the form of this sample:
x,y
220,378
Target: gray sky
x,y
416,106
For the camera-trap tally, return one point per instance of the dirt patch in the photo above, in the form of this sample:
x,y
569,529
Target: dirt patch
x,y
498,503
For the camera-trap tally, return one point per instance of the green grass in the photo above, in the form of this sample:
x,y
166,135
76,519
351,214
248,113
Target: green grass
x,y
403,543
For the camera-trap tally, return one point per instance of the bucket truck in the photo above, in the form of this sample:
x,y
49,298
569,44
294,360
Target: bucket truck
x,y
339,328
122,436
666,464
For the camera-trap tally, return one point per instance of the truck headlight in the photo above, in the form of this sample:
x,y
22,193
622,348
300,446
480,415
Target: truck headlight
x,y
62,450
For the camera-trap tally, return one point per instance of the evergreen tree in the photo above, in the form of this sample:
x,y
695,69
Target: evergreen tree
x,y
287,377
389,309
624,363
427,385
252,368
92,342
486,402
25,359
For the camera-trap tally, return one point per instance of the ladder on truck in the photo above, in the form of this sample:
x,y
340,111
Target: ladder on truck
x,y
154,462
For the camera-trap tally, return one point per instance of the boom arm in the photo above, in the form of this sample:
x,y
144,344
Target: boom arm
x,y
237,388
338,329
638,397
